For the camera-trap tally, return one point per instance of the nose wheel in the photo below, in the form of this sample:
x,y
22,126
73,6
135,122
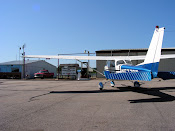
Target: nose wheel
x,y
112,84
100,86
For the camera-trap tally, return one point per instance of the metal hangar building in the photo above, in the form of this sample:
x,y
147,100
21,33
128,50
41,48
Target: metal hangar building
x,y
13,69
164,65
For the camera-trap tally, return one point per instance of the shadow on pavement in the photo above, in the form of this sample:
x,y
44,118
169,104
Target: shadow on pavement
x,y
162,97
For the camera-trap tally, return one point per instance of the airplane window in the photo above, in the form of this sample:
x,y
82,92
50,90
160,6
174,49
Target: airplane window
x,y
112,64
128,62
108,63
120,62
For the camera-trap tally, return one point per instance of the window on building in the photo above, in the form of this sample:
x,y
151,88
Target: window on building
x,y
15,69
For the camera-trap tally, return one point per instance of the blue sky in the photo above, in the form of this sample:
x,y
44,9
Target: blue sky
x,y
51,27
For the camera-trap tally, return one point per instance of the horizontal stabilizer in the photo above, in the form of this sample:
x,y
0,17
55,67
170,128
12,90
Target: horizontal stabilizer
x,y
166,75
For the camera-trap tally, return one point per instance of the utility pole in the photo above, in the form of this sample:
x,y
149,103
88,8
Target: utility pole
x,y
19,54
58,67
23,67
88,66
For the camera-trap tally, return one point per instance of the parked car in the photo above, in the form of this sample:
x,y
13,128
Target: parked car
x,y
43,74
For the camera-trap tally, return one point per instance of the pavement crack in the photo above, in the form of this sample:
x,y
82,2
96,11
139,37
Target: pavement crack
x,y
34,97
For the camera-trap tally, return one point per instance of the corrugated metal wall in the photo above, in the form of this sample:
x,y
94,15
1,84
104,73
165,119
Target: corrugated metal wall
x,y
31,68
9,68
34,67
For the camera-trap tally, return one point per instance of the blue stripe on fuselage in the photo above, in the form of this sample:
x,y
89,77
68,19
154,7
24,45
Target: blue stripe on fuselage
x,y
143,76
151,66
130,67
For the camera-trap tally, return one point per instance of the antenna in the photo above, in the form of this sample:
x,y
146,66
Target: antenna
x,y
129,52
24,46
19,53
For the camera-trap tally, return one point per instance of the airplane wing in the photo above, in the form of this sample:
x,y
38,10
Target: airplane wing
x,y
167,56
97,57
87,57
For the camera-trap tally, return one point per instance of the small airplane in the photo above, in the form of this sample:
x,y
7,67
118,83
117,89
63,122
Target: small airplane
x,y
121,68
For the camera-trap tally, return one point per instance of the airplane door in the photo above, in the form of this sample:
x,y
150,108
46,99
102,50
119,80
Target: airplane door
x,y
118,64
117,67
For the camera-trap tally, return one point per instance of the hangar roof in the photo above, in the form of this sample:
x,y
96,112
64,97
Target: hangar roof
x,y
131,50
18,62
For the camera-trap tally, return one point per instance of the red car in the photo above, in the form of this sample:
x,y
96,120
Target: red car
x,y
43,74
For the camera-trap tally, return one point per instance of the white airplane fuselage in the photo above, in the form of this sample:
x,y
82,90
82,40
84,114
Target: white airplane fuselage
x,y
115,66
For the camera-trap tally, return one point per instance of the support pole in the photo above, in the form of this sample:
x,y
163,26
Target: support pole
x,y
88,67
58,68
23,67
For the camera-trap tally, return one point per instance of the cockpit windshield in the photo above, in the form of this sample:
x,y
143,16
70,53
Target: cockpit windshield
x,y
110,63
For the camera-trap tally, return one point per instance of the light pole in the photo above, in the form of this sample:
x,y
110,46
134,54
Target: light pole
x,y
88,63
23,69
58,67
19,53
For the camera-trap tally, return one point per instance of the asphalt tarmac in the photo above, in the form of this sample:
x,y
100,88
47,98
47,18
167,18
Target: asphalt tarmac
x,y
50,105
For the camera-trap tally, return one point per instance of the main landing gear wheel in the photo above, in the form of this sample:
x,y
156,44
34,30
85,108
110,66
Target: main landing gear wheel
x,y
100,86
112,84
136,84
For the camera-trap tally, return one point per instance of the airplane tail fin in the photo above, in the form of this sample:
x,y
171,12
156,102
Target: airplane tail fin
x,y
152,58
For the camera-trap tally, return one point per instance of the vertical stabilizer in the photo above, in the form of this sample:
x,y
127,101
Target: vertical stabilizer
x,y
154,51
152,58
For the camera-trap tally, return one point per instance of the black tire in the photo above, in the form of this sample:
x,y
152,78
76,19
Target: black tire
x,y
152,76
136,84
